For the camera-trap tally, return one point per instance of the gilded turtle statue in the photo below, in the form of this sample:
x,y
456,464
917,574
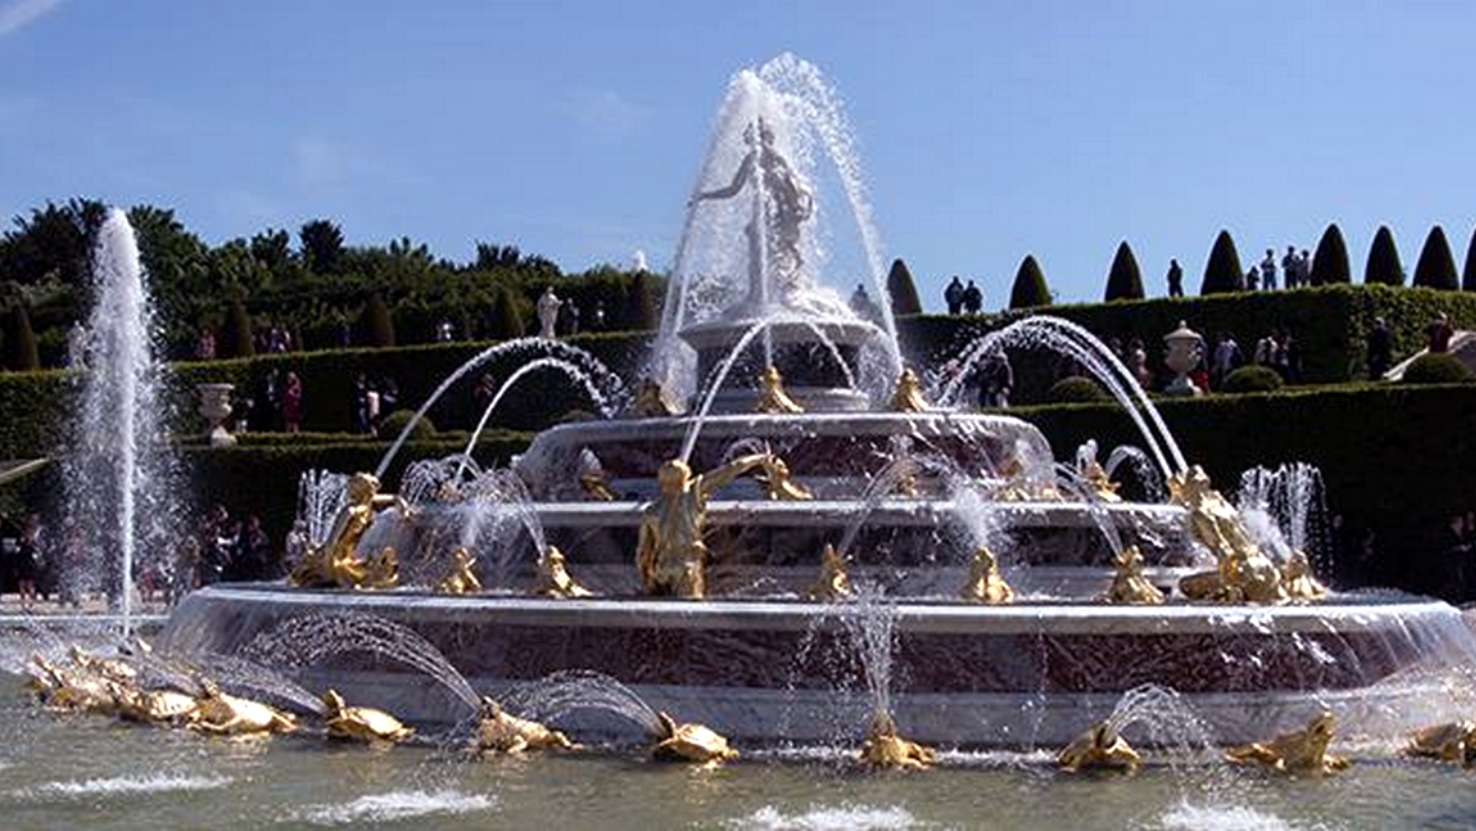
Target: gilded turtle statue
x,y
68,689
1299,751
222,714
498,731
361,724
161,707
1101,747
1453,741
690,742
884,749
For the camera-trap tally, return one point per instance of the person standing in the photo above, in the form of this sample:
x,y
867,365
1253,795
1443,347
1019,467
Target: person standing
x,y
292,403
1268,271
1175,279
1439,333
1380,350
973,299
953,295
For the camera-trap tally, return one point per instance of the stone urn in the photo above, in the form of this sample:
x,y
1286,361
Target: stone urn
x,y
215,406
1185,349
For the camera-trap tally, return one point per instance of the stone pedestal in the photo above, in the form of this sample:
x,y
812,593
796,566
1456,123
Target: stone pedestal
x,y
215,406
1185,348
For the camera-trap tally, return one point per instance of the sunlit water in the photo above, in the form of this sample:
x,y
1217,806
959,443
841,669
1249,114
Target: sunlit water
x,y
75,771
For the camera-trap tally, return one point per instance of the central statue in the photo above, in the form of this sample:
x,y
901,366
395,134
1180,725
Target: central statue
x,y
783,201
671,556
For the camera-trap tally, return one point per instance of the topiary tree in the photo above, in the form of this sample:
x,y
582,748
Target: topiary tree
x,y
1468,277
20,340
1222,273
1125,280
376,327
1030,288
1076,389
1436,368
395,422
1436,267
235,339
902,290
507,318
1252,378
1330,264
1383,260
642,309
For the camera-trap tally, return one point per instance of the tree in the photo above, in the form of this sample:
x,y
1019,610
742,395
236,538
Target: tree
x,y
1330,264
54,243
1125,280
1030,288
902,291
376,327
507,318
642,309
236,339
1436,268
1222,273
322,246
20,341
1468,277
1383,260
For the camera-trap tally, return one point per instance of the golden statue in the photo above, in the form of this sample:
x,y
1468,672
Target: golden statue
x,y
1300,751
986,584
1243,573
462,579
1099,748
162,707
336,562
778,484
501,732
652,401
772,398
1453,741
907,485
1018,488
71,689
908,398
671,556
360,724
1101,484
834,584
1129,586
228,715
382,571
554,579
884,749
597,487
690,742
1297,579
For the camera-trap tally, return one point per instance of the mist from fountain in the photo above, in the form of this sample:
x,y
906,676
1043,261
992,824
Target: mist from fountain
x,y
552,348
321,494
1294,497
1067,338
118,470
575,374
556,696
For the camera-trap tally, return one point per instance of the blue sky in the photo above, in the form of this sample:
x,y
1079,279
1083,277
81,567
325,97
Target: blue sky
x,y
988,130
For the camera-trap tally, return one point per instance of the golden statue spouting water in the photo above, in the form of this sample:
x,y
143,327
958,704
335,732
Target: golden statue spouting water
x,y
671,556
336,562
1453,741
885,749
498,731
554,579
1299,751
361,724
1101,484
908,397
1297,579
778,485
833,584
1243,572
1101,747
462,578
986,585
772,398
382,571
1129,586
652,401
690,742
594,484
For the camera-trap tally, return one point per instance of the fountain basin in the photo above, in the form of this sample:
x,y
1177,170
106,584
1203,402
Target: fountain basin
x,y
777,670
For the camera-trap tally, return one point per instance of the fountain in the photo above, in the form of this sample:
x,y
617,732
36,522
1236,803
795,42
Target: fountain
x,y
778,430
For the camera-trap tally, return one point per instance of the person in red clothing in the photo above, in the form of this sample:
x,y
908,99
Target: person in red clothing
x,y
292,403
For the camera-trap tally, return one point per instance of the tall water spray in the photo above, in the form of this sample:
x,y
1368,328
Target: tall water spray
x,y
116,463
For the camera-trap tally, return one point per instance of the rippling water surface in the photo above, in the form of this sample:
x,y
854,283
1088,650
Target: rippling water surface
x,y
76,771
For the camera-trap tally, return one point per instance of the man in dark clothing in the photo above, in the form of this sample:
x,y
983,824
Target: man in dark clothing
x,y
973,299
953,295
1175,279
1380,350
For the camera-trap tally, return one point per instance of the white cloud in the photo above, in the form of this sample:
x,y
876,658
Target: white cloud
x,y
16,14
607,114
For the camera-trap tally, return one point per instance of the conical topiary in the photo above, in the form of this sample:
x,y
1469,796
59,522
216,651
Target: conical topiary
x,y
902,290
21,353
1383,260
1468,277
376,327
642,310
1222,272
1330,264
1125,280
236,337
507,317
1436,267
1030,288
